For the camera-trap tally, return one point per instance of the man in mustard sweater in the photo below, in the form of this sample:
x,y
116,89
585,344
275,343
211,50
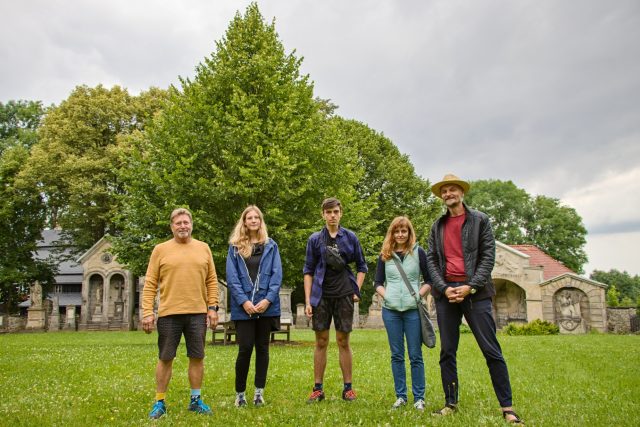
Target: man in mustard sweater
x,y
183,270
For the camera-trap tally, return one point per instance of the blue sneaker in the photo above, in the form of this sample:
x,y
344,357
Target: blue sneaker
x,y
158,411
200,407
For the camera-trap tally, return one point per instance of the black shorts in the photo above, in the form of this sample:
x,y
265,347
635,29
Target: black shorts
x,y
170,330
340,309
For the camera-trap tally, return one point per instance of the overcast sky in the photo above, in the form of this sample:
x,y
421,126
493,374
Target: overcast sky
x,y
545,93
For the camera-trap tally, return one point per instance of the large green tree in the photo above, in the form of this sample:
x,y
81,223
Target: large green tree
x,y
519,218
245,130
627,286
75,164
22,210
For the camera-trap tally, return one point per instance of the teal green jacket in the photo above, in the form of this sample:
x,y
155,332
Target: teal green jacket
x,y
397,296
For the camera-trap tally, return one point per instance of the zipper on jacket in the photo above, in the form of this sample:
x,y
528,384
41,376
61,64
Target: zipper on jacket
x,y
257,283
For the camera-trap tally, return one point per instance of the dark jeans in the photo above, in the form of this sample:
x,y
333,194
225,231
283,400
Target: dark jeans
x,y
479,316
249,334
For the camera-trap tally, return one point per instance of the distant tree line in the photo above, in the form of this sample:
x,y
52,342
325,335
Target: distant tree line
x,y
246,129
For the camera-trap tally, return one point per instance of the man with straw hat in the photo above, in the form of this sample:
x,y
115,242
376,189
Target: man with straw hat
x,y
460,259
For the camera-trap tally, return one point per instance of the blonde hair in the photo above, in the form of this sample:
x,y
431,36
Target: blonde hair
x,y
389,244
180,211
240,236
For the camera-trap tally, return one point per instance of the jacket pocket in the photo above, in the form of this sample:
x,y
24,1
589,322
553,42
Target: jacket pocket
x,y
264,281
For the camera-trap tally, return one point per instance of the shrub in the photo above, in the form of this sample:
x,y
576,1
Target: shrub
x,y
536,327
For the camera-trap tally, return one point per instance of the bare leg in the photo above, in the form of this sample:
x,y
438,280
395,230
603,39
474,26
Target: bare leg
x,y
196,372
164,369
320,355
346,358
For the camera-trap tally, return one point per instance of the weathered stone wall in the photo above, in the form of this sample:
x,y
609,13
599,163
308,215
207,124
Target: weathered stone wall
x,y
619,319
12,324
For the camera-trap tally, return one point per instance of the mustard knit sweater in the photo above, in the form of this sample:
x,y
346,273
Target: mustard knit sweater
x,y
186,276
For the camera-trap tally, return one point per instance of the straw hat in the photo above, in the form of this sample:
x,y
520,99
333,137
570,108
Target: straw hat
x,y
449,179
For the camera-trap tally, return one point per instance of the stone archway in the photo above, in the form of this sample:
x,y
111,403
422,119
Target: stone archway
x,y
509,303
96,297
571,310
116,294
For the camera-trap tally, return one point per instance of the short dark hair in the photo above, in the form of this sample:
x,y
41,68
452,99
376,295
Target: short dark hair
x,y
330,203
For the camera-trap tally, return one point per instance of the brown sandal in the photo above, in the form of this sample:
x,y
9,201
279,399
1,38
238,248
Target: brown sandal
x,y
517,419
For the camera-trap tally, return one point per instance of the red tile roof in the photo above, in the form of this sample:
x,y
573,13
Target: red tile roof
x,y
551,267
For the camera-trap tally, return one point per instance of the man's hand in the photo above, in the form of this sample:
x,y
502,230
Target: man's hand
x,y
262,306
356,298
457,295
212,319
308,310
148,323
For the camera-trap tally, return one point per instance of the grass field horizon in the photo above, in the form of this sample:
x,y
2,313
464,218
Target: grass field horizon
x,y
107,378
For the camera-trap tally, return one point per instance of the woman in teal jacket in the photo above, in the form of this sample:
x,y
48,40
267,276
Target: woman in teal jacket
x,y
399,308
254,276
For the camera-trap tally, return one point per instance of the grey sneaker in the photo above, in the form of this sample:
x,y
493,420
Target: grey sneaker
x,y
241,401
419,405
399,403
258,400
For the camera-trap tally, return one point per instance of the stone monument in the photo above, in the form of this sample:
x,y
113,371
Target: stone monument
x,y
285,305
302,321
70,320
36,316
374,320
54,318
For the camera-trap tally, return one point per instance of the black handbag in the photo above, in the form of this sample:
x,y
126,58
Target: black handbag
x,y
426,326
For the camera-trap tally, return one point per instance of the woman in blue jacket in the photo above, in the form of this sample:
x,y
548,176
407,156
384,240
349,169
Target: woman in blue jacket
x,y
399,308
254,276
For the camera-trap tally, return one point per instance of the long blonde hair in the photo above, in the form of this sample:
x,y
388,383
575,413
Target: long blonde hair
x,y
389,244
240,236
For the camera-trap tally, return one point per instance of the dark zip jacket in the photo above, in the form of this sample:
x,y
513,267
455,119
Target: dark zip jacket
x,y
478,247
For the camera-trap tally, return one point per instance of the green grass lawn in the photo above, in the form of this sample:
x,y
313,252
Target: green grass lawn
x,y
107,378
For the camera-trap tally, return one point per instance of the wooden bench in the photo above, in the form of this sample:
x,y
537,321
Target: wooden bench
x,y
285,329
225,333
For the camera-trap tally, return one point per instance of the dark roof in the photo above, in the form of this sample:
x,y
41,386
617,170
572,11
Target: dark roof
x,y
551,267
69,271
64,299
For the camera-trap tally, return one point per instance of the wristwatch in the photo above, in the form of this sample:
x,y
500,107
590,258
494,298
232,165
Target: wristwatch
x,y
214,308
473,290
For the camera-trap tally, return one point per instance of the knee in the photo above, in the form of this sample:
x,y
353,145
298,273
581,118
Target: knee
x,y
322,343
343,342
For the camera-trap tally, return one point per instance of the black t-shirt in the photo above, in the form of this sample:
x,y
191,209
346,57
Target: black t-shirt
x,y
336,284
253,262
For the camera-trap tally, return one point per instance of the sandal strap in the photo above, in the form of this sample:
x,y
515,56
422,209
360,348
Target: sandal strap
x,y
517,420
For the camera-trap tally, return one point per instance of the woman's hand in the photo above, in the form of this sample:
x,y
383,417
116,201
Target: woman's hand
x,y
262,306
249,307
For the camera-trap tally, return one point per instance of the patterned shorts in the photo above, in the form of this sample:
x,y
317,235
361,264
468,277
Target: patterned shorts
x,y
340,309
170,330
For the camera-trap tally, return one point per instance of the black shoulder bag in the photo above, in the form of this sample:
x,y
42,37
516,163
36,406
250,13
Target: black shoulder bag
x,y
428,333
332,256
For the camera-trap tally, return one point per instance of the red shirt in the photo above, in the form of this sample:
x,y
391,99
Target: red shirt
x,y
453,245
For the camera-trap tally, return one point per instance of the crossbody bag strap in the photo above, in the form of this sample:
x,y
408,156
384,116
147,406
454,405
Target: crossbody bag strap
x,y
405,279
